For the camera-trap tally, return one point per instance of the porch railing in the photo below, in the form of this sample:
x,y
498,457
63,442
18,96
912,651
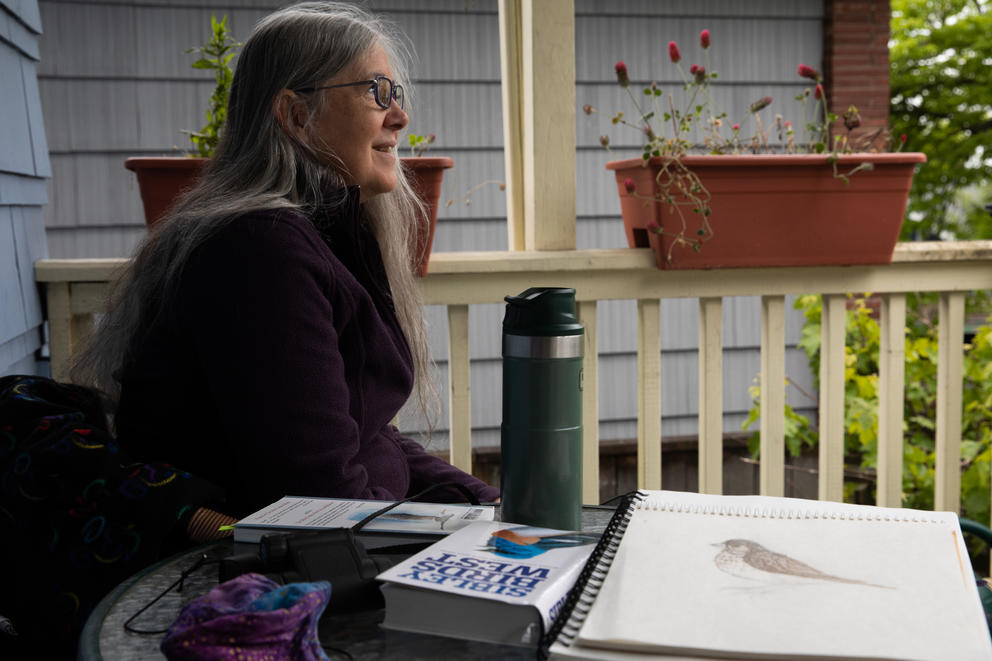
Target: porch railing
x,y
77,289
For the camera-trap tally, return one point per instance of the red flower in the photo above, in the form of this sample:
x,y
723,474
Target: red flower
x,y
818,92
808,72
704,38
621,70
736,127
700,74
673,52
693,69
903,138
629,184
653,227
761,103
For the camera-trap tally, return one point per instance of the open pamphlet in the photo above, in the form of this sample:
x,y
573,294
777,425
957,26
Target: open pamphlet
x,y
755,577
496,582
419,521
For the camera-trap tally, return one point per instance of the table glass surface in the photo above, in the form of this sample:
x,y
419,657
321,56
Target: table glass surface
x,y
357,634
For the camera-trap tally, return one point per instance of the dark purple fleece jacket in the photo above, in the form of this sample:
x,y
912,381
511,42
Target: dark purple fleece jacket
x,y
277,367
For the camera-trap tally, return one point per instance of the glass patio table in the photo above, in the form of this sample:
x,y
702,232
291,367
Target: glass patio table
x,y
358,634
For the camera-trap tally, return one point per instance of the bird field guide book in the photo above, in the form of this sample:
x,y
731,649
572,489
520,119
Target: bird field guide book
x,y
496,582
418,521
755,577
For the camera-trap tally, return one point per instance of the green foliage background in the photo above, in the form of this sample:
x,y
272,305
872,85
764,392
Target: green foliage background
x,y
861,407
941,81
941,85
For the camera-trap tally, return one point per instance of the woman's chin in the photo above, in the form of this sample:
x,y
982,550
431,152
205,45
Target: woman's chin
x,y
371,189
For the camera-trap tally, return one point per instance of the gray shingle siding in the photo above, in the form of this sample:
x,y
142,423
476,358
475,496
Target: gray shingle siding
x,y
115,82
24,168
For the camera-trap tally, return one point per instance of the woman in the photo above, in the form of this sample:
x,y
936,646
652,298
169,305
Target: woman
x,y
264,337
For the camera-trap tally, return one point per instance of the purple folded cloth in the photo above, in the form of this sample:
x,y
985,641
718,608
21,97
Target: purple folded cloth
x,y
253,618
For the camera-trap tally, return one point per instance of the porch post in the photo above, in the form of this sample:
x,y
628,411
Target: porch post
x,y
511,72
537,52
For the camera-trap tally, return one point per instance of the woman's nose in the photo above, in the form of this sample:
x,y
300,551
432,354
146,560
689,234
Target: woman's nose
x,y
396,117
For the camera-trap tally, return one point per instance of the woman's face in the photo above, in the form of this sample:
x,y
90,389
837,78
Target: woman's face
x,y
357,130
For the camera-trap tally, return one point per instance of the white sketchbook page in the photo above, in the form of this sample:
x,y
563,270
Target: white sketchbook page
x,y
579,653
664,591
299,512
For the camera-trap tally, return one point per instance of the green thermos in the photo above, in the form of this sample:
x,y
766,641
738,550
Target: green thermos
x,y
541,442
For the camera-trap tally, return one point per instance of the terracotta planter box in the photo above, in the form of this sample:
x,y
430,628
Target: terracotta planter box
x,y
161,180
775,210
425,174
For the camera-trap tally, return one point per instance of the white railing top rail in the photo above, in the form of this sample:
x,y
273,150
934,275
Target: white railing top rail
x,y
77,289
678,283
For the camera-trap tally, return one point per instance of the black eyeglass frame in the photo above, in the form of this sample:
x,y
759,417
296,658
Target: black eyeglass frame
x,y
395,90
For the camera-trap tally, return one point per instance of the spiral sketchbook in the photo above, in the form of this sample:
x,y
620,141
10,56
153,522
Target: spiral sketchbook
x,y
756,577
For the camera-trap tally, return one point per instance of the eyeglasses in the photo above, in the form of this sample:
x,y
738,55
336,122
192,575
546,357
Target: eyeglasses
x,y
385,90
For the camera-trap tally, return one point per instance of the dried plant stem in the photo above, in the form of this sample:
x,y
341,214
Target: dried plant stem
x,y
467,196
681,187
675,121
844,176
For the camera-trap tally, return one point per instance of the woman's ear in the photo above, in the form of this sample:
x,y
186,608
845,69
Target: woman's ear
x,y
291,113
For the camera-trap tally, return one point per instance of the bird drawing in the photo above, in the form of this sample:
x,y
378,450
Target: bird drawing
x,y
746,559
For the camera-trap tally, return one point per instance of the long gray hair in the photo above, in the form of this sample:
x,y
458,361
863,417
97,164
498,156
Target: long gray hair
x,y
257,165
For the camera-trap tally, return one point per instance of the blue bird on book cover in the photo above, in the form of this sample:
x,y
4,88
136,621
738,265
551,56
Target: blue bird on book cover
x,y
529,541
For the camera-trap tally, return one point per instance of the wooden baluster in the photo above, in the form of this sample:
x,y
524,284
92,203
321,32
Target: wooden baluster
x,y
891,393
711,395
459,388
648,394
81,324
590,405
950,356
771,474
833,327
60,328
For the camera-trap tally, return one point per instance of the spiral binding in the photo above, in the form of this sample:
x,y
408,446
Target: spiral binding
x,y
580,598
862,513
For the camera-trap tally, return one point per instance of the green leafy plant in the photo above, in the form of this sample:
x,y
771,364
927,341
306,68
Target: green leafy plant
x,y
672,129
941,96
420,143
861,406
216,56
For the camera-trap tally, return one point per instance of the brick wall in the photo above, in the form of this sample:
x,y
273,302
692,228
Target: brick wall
x,y
856,64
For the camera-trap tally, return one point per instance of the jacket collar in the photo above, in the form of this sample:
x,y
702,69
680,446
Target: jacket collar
x,y
344,228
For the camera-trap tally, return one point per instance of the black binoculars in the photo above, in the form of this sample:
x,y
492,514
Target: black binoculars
x,y
336,555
